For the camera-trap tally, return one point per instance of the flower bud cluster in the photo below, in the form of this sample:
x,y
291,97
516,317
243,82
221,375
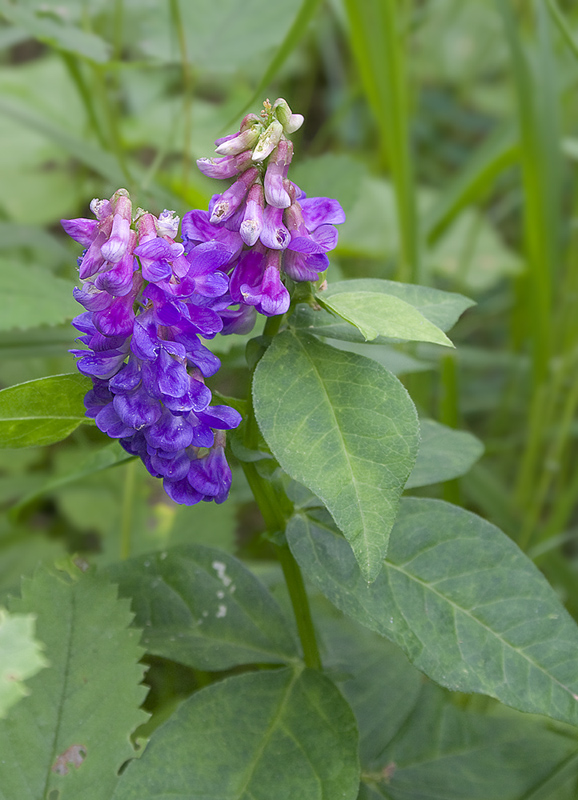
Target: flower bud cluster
x,y
147,303
270,227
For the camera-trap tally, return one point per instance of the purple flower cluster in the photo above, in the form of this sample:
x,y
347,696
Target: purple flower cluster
x,y
148,299
142,326
272,230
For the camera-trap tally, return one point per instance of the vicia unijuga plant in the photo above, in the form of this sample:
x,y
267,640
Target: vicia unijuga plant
x,y
302,670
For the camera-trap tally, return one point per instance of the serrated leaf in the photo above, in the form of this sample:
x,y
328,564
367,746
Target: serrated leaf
x,y
202,607
21,657
33,296
444,454
276,734
343,426
376,315
72,733
43,411
458,596
443,309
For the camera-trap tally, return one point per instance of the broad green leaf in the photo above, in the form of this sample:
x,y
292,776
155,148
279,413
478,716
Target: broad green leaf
x,y
376,315
202,607
64,37
443,454
71,734
20,657
416,744
445,753
443,309
33,296
343,426
275,734
463,602
42,411
110,456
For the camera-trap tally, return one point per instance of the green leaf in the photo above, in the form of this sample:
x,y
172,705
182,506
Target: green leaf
x,y
43,411
343,426
463,602
443,454
445,752
276,734
72,733
33,297
443,309
20,657
384,315
416,744
202,607
64,37
110,456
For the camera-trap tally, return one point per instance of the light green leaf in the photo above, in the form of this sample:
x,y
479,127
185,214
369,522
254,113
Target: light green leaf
x,y
33,296
20,657
276,734
397,362
384,315
458,596
443,309
64,37
443,454
43,411
71,734
202,607
343,426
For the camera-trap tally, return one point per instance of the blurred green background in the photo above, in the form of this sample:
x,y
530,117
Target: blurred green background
x,y
448,130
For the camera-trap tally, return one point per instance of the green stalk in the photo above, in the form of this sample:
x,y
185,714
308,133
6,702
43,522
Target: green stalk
x,y
379,49
187,89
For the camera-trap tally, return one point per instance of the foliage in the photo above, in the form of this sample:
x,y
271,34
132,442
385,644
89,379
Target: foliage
x,y
385,606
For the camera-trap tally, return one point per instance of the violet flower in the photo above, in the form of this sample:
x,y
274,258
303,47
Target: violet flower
x,y
146,307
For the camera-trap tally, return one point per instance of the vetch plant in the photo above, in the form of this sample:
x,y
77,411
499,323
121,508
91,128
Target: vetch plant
x,y
319,700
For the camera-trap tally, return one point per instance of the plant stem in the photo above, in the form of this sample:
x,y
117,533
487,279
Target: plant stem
x,y
276,509
301,609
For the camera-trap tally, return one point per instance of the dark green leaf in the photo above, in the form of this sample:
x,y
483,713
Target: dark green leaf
x,y
72,733
459,597
343,426
202,607
277,734
42,411
443,454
